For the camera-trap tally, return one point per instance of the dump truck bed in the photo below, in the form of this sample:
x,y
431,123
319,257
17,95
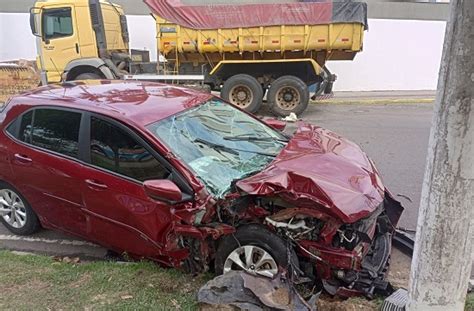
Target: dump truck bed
x,y
291,30
344,37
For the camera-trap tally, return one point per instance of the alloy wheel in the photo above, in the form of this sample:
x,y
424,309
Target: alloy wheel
x,y
12,208
251,259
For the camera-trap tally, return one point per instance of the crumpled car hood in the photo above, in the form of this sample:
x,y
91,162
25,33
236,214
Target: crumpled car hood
x,y
319,166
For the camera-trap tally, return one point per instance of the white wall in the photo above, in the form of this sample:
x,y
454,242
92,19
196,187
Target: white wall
x,y
398,54
142,30
16,40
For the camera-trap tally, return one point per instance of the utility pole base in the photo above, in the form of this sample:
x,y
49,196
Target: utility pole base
x,y
398,301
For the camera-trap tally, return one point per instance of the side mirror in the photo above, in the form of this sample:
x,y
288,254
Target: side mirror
x,y
276,124
163,190
35,14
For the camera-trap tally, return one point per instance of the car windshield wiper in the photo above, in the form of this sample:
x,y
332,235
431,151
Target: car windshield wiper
x,y
254,138
231,150
215,146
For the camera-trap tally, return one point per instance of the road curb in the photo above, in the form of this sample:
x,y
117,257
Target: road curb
x,y
376,101
52,247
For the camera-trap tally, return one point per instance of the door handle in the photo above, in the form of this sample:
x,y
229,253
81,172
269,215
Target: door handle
x,y
93,184
22,158
77,48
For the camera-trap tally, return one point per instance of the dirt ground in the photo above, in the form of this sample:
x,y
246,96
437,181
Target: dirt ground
x,y
399,273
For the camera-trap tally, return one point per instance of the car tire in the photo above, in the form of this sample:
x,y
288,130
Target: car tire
x,y
88,76
262,240
288,94
243,91
21,219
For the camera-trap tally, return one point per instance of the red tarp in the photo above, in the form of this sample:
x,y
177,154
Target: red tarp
x,y
211,16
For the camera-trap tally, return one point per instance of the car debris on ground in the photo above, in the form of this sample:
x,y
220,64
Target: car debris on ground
x,y
243,291
292,117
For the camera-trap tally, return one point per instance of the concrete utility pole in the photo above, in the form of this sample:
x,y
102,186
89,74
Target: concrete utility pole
x,y
445,233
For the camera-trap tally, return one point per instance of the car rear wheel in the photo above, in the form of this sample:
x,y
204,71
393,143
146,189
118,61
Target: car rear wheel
x,y
288,94
15,212
243,91
256,250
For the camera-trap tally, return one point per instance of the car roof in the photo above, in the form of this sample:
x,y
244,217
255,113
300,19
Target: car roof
x,y
140,102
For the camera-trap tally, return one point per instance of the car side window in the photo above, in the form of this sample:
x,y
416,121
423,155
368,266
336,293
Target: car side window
x,y
24,133
114,149
57,23
55,130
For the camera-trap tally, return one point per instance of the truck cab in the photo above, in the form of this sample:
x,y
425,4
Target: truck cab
x,y
80,39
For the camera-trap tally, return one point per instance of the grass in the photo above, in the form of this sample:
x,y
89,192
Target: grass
x,y
470,302
29,281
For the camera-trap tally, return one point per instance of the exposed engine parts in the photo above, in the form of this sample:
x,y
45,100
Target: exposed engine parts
x,y
292,229
345,259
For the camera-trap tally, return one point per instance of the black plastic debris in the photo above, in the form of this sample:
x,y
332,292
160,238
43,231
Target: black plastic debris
x,y
243,291
404,240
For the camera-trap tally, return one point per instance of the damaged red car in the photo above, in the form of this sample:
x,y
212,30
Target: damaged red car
x,y
185,179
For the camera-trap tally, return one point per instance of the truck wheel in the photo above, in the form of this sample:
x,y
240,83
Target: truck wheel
x,y
243,91
255,249
88,76
288,94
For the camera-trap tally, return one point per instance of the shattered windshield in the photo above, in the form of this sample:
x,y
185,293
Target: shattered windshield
x,y
219,143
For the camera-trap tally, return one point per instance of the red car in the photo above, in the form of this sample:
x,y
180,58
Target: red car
x,y
182,178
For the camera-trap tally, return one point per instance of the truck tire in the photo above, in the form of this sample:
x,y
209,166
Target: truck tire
x,y
88,76
243,91
288,94
261,242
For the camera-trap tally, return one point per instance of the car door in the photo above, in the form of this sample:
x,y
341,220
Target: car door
x,y
120,215
44,155
60,40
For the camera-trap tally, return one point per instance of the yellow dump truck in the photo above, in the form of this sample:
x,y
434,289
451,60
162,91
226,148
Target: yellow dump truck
x,y
278,50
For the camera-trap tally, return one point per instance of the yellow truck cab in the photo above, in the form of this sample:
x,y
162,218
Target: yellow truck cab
x,y
80,39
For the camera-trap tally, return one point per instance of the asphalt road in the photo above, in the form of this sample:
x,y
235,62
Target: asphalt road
x,y
395,136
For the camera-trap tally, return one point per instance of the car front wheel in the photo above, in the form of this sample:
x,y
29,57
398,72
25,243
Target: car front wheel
x,y
15,212
256,250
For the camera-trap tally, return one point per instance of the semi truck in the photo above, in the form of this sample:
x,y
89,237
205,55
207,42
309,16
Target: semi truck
x,y
245,52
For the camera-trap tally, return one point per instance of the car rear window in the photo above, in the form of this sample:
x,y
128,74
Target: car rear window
x,y
52,129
